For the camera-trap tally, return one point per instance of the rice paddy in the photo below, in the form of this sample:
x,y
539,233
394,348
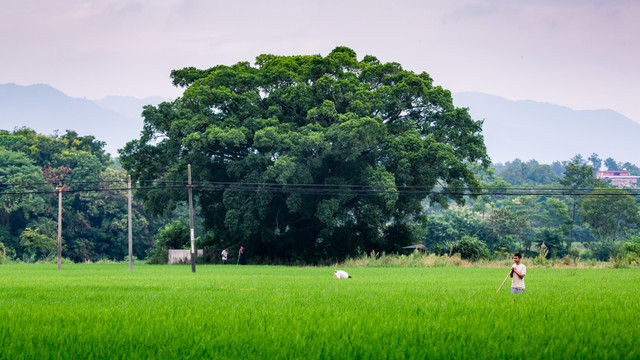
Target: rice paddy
x,y
101,311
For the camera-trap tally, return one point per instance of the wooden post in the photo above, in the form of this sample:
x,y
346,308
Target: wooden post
x,y
59,226
130,225
192,234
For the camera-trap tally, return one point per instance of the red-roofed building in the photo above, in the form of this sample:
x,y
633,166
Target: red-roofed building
x,y
618,177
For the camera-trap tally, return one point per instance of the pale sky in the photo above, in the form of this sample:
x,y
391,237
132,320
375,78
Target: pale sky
x,y
583,54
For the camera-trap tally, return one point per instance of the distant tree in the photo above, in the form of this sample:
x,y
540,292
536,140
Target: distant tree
x,y
45,150
603,250
33,240
633,169
494,189
531,172
631,249
578,179
558,168
541,174
610,213
469,247
552,239
451,224
558,217
513,172
578,160
506,224
596,162
578,176
497,167
611,164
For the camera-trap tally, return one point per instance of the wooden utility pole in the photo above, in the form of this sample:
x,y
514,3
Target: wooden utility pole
x,y
59,226
193,253
130,225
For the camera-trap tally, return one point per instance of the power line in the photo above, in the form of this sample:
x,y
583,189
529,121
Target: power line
x,y
329,189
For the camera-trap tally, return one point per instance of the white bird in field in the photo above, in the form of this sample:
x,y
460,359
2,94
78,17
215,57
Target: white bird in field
x,y
339,274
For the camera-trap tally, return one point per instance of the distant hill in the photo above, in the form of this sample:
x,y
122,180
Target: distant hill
x,y
512,129
113,120
546,132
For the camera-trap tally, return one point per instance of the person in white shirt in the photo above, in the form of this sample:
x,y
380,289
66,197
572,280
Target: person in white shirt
x,y
518,272
339,274
224,255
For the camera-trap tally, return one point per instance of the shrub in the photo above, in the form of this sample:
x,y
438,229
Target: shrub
x,y
628,254
3,249
603,250
553,242
471,248
541,259
35,242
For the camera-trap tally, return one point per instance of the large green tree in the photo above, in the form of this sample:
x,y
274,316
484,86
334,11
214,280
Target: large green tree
x,y
327,121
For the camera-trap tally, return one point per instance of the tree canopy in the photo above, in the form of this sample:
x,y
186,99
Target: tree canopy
x,y
94,220
332,120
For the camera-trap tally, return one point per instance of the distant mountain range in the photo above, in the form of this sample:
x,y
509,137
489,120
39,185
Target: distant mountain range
x,y
114,119
545,132
512,129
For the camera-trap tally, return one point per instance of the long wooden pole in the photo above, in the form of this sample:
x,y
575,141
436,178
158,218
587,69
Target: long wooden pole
x,y
505,280
191,232
60,226
129,196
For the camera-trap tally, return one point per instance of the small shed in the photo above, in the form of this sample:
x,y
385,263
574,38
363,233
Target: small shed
x,y
414,247
180,256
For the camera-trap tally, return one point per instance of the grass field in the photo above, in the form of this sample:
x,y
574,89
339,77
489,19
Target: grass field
x,y
104,311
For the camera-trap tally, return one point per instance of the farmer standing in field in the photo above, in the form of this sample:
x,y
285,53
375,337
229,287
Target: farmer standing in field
x,y
242,256
517,283
224,255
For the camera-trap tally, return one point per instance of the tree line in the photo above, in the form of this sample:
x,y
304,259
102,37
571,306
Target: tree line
x,y
491,224
94,220
573,211
518,172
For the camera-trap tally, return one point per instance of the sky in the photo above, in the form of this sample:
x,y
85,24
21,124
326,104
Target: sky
x,y
583,54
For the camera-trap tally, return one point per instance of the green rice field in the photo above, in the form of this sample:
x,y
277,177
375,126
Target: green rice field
x,y
103,311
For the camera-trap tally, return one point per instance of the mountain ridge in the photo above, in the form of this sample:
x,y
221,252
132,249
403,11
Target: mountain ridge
x,y
47,110
547,132
523,129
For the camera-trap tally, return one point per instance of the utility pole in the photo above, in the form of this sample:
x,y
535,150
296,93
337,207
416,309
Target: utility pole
x,y
59,226
130,225
193,253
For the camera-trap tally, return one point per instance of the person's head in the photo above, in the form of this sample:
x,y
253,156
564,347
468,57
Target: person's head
x,y
517,257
